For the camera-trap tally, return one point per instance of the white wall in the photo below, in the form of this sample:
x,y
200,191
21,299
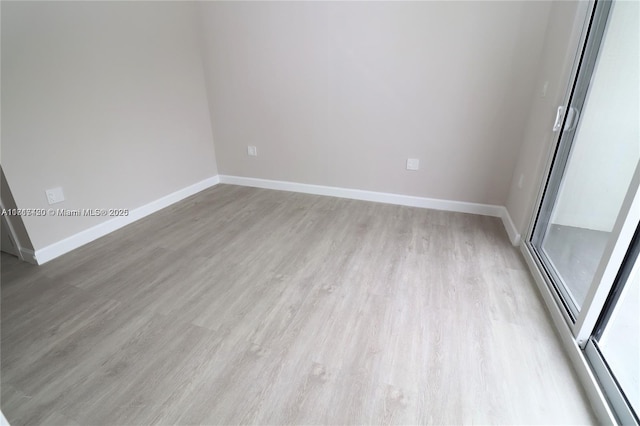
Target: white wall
x,y
342,93
606,147
561,44
107,100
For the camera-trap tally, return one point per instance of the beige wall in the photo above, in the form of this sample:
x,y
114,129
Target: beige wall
x,y
561,44
107,100
342,93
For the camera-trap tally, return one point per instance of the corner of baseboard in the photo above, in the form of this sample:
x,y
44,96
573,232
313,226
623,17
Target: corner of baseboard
x,y
72,242
28,256
510,227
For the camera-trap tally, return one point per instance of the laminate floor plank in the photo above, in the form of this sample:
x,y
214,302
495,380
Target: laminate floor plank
x,y
249,306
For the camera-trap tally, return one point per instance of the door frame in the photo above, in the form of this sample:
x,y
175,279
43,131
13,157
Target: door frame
x,y
578,92
583,322
575,331
20,240
12,234
629,269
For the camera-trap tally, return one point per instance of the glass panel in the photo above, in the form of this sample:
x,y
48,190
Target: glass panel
x,y
620,340
605,150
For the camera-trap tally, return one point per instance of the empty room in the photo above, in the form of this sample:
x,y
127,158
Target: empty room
x,y
320,212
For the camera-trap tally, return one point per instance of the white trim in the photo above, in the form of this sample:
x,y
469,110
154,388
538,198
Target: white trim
x,y
624,412
64,246
24,254
510,227
578,360
28,255
3,420
81,238
358,194
11,233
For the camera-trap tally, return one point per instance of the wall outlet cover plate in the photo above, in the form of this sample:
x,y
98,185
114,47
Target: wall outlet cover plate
x,y
55,195
413,164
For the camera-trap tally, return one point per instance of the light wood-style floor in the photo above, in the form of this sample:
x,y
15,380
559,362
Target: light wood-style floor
x,y
253,306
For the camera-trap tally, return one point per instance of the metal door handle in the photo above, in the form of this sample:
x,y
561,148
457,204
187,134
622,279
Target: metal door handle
x,y
558,123
572,119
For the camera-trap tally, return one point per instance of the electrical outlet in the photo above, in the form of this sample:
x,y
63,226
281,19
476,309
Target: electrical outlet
x,y
252,151
521,181
413,164
55,195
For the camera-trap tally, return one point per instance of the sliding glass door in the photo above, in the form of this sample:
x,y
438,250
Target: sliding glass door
x,y
597,155
585,236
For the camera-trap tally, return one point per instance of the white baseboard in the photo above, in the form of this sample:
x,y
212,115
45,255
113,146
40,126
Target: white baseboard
x,y
81,238
380,197
510,227
71,243
28,255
